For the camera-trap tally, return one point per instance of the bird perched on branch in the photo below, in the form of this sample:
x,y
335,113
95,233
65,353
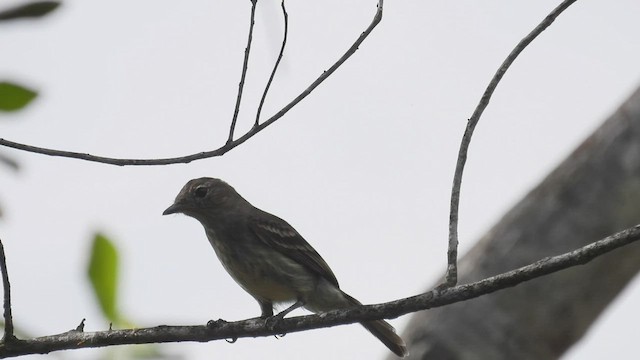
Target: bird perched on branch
x,y
267,257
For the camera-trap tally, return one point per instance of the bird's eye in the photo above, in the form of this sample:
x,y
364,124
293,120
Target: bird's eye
x,y
200,192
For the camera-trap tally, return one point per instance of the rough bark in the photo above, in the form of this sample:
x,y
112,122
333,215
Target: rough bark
x,y
593,193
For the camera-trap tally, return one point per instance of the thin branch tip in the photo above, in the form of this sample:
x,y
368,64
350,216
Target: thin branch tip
x,y
468,133
243,75
275,67
8,317
80,327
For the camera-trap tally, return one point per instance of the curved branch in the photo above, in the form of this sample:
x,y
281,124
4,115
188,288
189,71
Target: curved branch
x,y
451,278
221,150
221,329
245,66
275,67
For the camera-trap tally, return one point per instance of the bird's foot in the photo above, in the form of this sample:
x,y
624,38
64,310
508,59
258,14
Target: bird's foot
x,y
272,321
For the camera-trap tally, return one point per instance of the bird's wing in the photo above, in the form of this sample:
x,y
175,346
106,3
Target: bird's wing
x,y
282,237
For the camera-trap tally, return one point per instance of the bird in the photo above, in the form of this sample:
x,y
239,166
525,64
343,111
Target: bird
x,y
267,257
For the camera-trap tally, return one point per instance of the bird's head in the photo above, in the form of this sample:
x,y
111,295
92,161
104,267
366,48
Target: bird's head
x,y
204,197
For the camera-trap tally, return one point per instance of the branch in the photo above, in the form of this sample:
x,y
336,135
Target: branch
x,y
451,278
275,67
212,153
245,66
8,318
221,329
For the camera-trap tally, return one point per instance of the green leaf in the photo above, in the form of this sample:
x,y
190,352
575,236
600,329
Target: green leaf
x,y
14,97
31,10
103,274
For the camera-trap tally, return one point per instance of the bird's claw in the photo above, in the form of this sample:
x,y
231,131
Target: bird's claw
x,y
272,321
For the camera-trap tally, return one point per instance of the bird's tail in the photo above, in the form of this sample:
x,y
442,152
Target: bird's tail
x,y
383,331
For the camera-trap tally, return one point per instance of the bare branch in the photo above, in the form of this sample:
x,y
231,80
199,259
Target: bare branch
x,y
8,318
221,329
451,278
221,150
275,67
245,66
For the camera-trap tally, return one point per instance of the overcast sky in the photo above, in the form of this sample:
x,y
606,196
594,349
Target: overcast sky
x,y
362,167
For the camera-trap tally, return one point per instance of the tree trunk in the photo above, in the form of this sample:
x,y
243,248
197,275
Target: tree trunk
x,y
593,193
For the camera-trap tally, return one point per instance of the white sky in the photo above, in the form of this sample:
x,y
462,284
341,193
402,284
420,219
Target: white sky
x,y
362,167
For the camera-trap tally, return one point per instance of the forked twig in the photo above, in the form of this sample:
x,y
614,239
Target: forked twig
x,y
212,153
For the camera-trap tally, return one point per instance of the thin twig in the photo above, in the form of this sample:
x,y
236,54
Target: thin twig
x,y
255,327
205,154
245,66
275,67
8,318
451,277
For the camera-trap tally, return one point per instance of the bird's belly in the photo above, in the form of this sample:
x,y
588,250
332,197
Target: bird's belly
x,y
264,287
266,274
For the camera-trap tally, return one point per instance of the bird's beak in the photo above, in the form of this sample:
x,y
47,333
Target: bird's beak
x,y
173,209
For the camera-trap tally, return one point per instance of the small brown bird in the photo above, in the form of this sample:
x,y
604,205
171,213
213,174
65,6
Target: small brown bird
x,y
267,257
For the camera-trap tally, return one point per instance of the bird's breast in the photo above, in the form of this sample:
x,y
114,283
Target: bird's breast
x,y
263,272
